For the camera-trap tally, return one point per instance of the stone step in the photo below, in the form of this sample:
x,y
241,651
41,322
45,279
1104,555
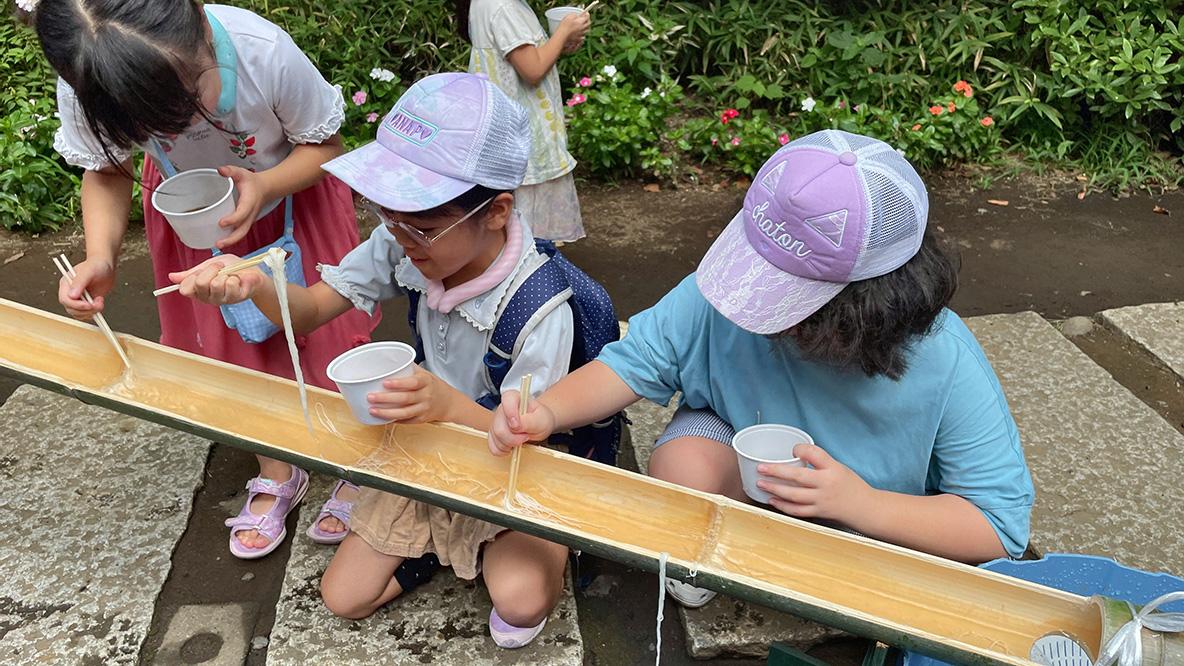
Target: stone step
x,y
443,622
1157,327
1107,467
93,504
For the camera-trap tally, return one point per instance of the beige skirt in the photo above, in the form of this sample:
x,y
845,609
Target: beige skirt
x,y
402,527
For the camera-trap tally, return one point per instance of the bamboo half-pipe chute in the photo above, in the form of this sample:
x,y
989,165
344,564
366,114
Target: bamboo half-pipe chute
x,y
868,588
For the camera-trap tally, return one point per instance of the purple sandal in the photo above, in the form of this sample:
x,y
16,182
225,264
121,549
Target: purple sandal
x,y
333,508
271,524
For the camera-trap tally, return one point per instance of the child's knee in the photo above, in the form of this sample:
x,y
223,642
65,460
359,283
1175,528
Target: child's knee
x,y
343,599
525,598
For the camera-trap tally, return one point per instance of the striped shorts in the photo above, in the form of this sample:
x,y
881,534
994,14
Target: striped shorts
x,y
704,423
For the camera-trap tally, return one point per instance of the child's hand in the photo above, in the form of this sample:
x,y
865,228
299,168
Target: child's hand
x,y
830,490
203,283
420,398
574,27
510,430
97,277
252,195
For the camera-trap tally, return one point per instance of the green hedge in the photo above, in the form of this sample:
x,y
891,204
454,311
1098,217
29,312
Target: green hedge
x,y
1098,86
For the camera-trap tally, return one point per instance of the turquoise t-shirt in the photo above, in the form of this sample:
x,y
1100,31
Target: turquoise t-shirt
x,y
944,427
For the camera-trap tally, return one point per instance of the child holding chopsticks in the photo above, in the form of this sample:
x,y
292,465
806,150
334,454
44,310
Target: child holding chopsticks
x,y
510,47
218,87
441,175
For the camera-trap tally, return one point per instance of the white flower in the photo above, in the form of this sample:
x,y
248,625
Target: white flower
x,y
609,71
646,93
808,104
379,74
27,5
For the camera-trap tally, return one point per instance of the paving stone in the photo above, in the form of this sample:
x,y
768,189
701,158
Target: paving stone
x,y
1107,468
212,634
94,503
1157,327
443,622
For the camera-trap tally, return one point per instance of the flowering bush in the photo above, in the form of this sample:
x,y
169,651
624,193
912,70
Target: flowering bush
x,y
618,131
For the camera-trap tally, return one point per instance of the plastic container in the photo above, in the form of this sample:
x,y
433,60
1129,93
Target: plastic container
x,y
361,371
555,16
766,443
194,202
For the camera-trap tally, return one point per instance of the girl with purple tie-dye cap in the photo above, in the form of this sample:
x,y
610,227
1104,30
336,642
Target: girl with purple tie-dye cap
x,y
441,175
821,306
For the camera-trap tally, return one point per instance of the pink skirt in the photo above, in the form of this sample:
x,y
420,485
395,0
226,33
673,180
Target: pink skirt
x,y
326,229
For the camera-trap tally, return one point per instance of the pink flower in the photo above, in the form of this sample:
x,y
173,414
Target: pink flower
x,y
727,115
964,88
841,104
372,117
987,121
576,99
585,82
783,139
735,141
359,97
936,110
714,141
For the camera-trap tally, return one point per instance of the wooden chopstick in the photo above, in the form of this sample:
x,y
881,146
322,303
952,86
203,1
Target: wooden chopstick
x,y
67,270
240,266
516,456
591,5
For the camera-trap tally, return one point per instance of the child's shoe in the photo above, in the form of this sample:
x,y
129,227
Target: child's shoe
x,y
333,508
510,637
271,523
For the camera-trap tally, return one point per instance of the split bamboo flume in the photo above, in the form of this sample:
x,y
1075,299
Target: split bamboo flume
x,y
868,588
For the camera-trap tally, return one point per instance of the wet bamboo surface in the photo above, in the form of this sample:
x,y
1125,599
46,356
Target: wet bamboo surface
x,y
866,587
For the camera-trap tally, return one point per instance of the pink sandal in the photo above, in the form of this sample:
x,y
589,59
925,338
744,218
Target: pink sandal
x,y
333,508
271,524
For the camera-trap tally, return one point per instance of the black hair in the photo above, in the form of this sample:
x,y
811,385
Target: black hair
x,y
462,18
872,323
461,204
133,64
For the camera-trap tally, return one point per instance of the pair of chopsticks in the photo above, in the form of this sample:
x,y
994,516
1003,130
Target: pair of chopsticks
x,y
67,270
516,456
240,266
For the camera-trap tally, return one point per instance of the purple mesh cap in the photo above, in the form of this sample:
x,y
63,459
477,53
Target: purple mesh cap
x,y
826,210
446,134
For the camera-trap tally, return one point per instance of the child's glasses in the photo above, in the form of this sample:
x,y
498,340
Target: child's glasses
x,y
416,235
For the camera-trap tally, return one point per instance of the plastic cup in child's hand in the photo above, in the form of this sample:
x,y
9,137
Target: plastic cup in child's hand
x,y
362,370
194,202
555,16
767,443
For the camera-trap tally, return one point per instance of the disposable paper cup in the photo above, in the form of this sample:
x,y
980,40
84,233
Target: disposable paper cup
x,y
555,16
766,443
193,202
361,371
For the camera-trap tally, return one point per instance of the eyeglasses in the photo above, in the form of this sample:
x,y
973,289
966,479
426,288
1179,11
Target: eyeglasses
x,y
416,235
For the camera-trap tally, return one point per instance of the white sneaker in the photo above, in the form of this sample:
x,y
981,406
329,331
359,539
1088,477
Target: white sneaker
x,y
510,637
689,595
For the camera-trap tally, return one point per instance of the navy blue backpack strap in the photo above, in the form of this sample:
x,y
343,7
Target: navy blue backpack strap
x,y
412,323
536,296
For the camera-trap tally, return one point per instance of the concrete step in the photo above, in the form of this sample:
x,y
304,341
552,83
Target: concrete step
x,y
443,622
1157,327
92,503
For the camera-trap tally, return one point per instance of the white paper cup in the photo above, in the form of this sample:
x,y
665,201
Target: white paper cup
x,y
193,202
361,371
766,443
555,16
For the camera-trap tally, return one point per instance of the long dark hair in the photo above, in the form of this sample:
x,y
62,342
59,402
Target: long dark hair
x,y
871,323
462,18
133,64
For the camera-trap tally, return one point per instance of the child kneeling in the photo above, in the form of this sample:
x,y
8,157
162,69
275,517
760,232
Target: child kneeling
x,y
441,173
821,306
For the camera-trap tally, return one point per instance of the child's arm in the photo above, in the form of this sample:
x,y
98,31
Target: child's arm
x,y
299,170
310,307
945,525
533,62
425,398
106,204
592,393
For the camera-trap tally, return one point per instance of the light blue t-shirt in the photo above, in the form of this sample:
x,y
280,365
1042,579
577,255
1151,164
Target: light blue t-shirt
x,y
944,427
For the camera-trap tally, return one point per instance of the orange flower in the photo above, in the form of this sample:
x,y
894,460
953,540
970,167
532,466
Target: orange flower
x,y
964,88
936,110
916,127
952,107
987,121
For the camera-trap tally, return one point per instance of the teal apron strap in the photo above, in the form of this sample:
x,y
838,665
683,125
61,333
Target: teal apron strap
x,y
162,160
227,65
289,222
